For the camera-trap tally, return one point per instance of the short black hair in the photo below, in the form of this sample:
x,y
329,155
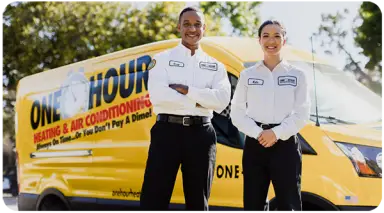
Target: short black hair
x,y
187,9
268,22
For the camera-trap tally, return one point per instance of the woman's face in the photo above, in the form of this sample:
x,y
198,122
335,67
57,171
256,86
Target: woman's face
x,y
272,39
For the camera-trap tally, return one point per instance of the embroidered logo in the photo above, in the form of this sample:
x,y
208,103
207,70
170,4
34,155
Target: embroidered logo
x,y
208,66
152,64
176,63
255,81
287,81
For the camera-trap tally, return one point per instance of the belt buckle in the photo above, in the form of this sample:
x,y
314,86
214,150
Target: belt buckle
x,y
266,125
184,121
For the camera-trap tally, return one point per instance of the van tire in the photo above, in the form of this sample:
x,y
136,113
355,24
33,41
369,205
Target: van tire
x,y
52,203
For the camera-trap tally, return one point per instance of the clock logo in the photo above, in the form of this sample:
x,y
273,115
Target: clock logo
x,y
74,94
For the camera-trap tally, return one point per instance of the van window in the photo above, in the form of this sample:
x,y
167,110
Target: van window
x,y
340,98
226,132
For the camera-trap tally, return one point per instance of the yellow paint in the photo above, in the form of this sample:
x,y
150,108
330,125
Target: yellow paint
x,y
119,154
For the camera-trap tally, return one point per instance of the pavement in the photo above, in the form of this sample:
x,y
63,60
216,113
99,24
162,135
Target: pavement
x,y
9,202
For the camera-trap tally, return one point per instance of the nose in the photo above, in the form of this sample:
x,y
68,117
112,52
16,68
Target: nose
x,y
192,28
271,40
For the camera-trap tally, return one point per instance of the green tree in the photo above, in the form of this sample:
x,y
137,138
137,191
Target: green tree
x,y
368,35
332,33
243,16
39,36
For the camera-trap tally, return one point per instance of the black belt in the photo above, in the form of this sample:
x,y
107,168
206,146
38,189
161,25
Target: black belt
x,y
266,126
183,120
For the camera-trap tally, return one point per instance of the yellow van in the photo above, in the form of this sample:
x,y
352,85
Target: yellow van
x,y
83,131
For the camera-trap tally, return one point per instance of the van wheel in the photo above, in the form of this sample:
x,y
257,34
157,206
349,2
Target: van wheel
x,y
53,203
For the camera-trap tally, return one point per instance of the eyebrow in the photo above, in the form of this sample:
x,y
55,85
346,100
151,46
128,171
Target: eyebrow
x,y
186,21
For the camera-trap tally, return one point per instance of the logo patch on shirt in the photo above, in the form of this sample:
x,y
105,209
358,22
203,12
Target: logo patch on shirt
x,y
255,81
176,63
152,64
287,81
208,66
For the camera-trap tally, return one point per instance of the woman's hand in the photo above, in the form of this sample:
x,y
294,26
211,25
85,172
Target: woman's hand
x,y
267,138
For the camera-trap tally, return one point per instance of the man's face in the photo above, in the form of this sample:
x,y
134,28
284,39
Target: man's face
x,y
191,27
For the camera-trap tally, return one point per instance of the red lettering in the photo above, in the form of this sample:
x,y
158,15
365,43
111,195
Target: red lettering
x,y
87,121
113,112
46,134
141,103
147,101
105,114
76,124
131,106
122,109
93,119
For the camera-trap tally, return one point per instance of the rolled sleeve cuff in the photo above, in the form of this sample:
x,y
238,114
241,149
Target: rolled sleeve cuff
x,y
193,93
277,130
257,133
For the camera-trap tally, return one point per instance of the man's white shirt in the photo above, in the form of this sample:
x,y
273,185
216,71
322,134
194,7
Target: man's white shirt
x,y
277,97
205,77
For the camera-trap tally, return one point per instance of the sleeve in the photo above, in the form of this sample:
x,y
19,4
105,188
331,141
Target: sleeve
x,y
300,114
238,110
158,87
216,98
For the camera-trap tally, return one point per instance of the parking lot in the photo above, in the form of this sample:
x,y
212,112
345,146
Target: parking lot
x,y
10,202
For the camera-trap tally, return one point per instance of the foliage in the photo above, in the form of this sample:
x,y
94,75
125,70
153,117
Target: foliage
x,y
243,16
370,35
333,33
39,36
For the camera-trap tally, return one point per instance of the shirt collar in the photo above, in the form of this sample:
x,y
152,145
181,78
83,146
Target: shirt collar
x,y
184,51
283,64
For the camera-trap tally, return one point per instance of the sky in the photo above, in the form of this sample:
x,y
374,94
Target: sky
x,y
302,19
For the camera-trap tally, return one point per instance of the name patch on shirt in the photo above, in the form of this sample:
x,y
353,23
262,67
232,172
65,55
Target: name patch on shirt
x,y
255,81
176,63
208,66
287,81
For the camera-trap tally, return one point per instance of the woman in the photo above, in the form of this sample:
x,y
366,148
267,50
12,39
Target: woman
x,y
270,105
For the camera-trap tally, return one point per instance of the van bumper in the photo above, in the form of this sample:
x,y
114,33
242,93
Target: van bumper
x,y
356,208
27,202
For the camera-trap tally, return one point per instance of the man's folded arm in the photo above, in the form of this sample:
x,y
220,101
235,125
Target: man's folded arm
x,y
158,87
217,97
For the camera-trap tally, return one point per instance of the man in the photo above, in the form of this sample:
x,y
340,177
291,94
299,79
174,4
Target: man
x,y
185,86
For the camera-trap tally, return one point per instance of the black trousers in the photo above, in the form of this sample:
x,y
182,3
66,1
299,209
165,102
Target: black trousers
x,y
280,164
194,147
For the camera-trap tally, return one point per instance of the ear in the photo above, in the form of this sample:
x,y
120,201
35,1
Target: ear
x,y
285,40
178,27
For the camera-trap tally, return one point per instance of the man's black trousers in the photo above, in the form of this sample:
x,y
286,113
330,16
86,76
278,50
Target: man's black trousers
x,y
280,164
172,145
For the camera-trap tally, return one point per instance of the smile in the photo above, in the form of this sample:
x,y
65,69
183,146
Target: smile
x,y
192,36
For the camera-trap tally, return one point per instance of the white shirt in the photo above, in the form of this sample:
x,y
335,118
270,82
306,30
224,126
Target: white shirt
x,y
277,97
206,78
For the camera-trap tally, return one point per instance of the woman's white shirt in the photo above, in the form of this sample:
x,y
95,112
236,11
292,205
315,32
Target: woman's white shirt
x,y
280,96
